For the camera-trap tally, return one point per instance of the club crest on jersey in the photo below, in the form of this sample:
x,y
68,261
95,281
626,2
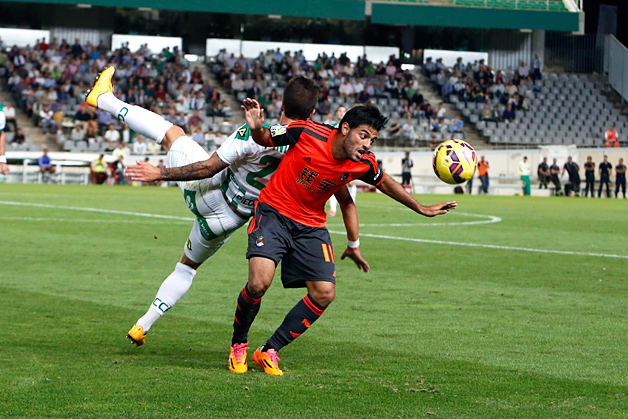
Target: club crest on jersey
x,y
344,177
276,130
260,241
308,160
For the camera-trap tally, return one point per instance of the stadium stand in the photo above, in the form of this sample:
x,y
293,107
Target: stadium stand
x,y
48,83
514,4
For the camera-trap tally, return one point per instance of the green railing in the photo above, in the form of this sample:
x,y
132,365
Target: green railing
x,y
515,4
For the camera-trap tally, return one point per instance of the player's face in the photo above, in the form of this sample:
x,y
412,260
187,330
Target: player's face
x,y
359,141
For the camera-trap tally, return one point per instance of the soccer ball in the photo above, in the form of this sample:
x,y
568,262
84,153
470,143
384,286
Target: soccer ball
x,y
454,161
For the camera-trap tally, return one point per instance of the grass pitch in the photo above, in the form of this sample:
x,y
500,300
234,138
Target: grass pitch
x,y
507,307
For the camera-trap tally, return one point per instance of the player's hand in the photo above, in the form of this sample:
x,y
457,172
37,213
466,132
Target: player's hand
x,y
4,168
253,113
354,254
143,172
438,209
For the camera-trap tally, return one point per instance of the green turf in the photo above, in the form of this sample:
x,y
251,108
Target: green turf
x,y
434,329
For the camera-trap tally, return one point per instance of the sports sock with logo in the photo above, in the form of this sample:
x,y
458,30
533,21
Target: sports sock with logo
x,y
139,119
171,291
246,310
298,320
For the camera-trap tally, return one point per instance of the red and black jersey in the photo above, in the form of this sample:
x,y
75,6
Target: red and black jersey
x,y
308,174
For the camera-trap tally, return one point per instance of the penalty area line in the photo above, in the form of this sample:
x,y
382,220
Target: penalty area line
x,y
487,246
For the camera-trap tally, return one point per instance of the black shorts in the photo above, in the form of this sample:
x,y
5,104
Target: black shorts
x,y
306,252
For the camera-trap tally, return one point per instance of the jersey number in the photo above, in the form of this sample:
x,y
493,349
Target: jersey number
x,y
273,163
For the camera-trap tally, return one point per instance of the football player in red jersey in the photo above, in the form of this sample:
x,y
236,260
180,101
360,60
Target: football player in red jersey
x,y
289,220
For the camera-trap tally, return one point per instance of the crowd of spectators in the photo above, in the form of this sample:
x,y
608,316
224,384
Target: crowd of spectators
x,y
341,80
477,82
48,82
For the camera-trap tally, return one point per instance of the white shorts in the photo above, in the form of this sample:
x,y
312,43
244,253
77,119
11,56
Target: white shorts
x,y
215,221
209,233
186,151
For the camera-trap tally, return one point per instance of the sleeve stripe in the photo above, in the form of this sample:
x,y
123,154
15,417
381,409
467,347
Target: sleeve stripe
x,y
315,135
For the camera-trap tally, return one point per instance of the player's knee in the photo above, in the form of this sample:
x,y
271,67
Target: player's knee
x,y
256,288
323,297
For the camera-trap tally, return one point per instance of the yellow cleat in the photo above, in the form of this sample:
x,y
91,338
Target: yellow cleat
x,y
268,360
237,358
137,335
102,85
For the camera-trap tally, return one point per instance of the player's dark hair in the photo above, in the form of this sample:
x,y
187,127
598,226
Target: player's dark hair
x,y
364,115
300,97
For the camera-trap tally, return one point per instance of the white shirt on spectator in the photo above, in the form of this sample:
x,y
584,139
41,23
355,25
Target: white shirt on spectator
x,y
140,148
112,135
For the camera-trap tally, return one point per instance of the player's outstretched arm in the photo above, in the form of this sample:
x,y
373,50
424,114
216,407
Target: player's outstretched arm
x,y
393,189
350,218
4,167
146,172
254,115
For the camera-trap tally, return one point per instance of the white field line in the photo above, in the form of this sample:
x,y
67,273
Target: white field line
x,y
487,246
99,221
376,236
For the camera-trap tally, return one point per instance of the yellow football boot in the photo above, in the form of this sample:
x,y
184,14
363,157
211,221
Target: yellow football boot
x,y
237,358
268,360
102,85
137,335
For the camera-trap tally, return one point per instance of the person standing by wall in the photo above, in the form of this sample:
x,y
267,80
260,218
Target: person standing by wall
x,y
605,175
620,178
543,173
589,177
406,169
524,172
554,171
483,175
573,171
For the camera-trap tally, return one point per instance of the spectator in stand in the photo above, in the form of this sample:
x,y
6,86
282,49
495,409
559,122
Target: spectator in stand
x,y
78,133
9,112
434,142
19,138
112,134
486,114
110,147
620,178
395,130
456,125
509,114
440,112
589,177
606,169
496,116
329,119
324,107
364,96
346,89
121,151
198,136
407,132
543,173
45,166
537,67
210,139
140,148
611,137
523,71
554,172
48,125
573,171
195,120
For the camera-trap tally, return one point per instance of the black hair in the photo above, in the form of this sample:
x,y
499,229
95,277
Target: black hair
x,y
300,97
364,115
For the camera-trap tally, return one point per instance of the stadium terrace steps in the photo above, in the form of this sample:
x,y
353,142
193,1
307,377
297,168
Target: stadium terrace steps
x,y
238,118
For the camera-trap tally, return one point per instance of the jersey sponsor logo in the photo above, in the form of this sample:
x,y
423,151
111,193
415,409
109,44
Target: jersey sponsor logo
x,y
260,241
276,130
344,177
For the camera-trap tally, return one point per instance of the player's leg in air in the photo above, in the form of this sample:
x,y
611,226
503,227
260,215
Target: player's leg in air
x,y
140,120
215,220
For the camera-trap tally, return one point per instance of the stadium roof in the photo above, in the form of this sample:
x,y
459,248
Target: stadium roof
x,y
382,12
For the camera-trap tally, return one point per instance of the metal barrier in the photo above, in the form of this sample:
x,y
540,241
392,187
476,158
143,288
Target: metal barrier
x,y
575,53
